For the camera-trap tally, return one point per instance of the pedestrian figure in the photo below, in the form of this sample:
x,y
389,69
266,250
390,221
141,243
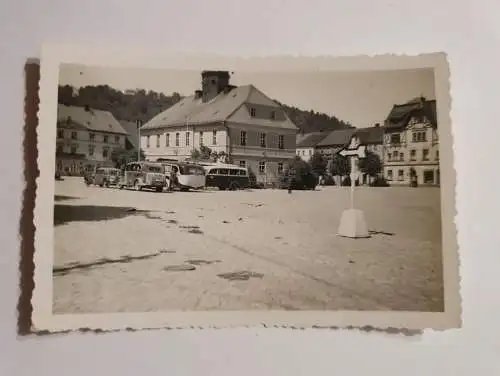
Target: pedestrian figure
x,y
291,180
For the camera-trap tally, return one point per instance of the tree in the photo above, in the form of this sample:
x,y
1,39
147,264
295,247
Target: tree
x,y
122,156
300,167
339,165
318,163
371,164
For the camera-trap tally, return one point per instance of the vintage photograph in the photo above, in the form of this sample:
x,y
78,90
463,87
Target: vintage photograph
x,y
210,190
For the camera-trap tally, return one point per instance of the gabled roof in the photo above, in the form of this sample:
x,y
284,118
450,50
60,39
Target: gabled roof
x,y
371,135
401,114
93,120
339,137
226,106
310,140
131,128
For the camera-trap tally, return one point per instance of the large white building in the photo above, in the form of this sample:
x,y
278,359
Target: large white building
x,y
86,139
245,124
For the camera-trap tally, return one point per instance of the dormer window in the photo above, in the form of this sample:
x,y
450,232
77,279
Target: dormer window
x,y
252,112
273,115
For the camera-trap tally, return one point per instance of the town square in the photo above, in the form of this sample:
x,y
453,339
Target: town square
x,y
218,196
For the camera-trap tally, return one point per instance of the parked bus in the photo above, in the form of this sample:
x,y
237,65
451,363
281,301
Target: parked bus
x,y
139,175
226,176
186,176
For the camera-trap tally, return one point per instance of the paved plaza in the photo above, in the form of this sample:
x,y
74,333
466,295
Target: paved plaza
x,y
127,251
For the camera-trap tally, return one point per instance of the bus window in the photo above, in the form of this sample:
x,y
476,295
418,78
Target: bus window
x,y
233,172
223,171
243,173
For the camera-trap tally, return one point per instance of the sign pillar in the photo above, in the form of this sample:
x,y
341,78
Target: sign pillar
x,y
352,222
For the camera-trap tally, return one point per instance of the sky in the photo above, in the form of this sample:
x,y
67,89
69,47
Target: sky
x,y
361,98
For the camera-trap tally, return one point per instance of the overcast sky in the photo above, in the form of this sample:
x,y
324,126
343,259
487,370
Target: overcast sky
x,y
361,98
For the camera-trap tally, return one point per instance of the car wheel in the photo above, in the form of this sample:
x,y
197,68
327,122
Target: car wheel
x,y
234,186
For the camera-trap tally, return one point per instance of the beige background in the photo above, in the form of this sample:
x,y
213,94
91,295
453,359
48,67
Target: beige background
x,y
468,31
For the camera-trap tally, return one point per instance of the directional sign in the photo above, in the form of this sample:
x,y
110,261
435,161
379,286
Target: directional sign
x,y
354,149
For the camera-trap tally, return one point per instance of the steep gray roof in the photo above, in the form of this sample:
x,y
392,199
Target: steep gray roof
x,y
230,106
371,135
93,120
310,140
401,114
131,128
337,138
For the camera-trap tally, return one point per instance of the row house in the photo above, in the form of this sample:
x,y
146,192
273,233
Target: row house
x,y
241,121
86,139
306,144
411,143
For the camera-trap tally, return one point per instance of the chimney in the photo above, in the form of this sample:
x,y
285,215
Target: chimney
x,y
198,94
213,83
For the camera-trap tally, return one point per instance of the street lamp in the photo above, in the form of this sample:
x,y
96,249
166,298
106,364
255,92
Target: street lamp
x,y
139,124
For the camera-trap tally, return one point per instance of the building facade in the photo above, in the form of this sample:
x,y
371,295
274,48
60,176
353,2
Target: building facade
x,y
411,144
373,139
334,142
306,144
241,122
86,138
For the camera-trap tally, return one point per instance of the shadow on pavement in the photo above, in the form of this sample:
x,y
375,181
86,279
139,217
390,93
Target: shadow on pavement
x,y
65,269
63,198
85,213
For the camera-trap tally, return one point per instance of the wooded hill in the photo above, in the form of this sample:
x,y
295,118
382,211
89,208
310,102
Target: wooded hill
x,y
143,105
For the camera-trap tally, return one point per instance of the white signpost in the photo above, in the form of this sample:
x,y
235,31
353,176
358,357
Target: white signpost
x,y
352,222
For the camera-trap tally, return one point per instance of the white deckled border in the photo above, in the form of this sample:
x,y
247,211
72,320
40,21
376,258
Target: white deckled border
x,y
44,320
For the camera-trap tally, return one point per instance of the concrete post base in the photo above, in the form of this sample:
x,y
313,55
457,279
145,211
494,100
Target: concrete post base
x,y
353,224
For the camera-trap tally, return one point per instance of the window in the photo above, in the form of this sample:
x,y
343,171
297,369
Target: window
x,y
74,135
389,174
243,138
105,152
188,135
60,134
201,138
401,174
401,156
92,137
262,140
177,139
389,156
243,164
395,138
303,152
281,141
273,115
310,152
167,139
147,141
117,139
428,176
413,155
437,155
91,150
252,112
395,155
262,167
214,138
419,136
425,154
158,141
280,167
105,139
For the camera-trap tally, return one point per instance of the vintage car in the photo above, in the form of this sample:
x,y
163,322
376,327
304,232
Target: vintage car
x,y
106,176
140,175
